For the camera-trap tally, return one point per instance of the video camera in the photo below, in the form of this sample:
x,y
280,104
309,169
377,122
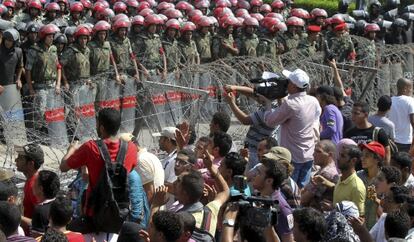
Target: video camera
x,y
253,211
274,87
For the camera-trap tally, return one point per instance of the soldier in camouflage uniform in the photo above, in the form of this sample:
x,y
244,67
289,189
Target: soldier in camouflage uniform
x,y
32,32
148,47
122,49
248,42
267,43
223,43
290,39
188,48
75,17
308,46
203,39
341,45
43,72
170,45
34,12
10,10
368,54
137,27
51,12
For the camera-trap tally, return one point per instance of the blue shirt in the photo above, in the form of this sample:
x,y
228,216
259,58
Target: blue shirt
x,y
332,123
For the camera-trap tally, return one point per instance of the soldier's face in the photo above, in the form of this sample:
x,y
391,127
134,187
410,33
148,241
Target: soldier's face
x,y
320,20
32,36
172,32
62,6
188,35
340,33
249,29
122,33
8,43
152,29
371,35
49,40
52,14
101,36
10,12
230,29
75,15
34,12
83,40
205,30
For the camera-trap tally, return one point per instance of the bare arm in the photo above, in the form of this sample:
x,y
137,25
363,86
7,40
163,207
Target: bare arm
x,y
288,238
221,184
337,77
64,167
240,115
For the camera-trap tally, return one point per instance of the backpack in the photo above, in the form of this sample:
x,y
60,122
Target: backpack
x,y
110,198
201,234
393,146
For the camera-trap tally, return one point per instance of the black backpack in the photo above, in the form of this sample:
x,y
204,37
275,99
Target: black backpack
x,y
201,234
110,198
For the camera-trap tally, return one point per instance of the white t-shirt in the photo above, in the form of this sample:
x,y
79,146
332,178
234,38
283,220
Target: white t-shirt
x,y
401,108
150,168
168,164
378,231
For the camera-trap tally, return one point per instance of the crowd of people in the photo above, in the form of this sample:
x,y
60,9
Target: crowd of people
x,y
335,171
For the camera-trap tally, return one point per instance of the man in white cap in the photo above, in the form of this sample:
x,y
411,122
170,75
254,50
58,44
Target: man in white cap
x,y
167,143
298,117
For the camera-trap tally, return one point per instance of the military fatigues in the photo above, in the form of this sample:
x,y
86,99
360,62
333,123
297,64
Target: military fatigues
x,y
188,51
267,47
289,41
149,51
218,50
203,43
172,53
248,44
27,19
76,63
343,48
367,54
307,48
123,55
43,64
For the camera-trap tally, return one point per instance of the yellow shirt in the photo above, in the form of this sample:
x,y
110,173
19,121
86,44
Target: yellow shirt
x,y
214,207
351,189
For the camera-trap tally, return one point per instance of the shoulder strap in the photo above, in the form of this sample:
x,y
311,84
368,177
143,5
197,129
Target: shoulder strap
x,y
103,150
375,133
206,222
123,147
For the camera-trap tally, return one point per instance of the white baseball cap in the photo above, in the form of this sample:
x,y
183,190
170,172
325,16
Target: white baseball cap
x,y
297,77
168,132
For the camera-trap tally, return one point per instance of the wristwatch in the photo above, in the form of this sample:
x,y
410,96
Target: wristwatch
x,y
229,222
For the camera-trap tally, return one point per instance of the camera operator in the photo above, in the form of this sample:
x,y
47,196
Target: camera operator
x,y
258,129
298,117
268,180
268,234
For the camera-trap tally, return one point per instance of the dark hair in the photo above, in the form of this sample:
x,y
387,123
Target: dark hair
x,y
10,218
397,224
363,105
354,152
7,189
384,103
270,142
311,222
338,93
403,159
275,170
129,232
50,183
400,194
193,135
391,174
235,162
169,224
204,139
328,146
222,119
190,154
53,235
61,211
189,221
223,141
193,184
110,119
327,94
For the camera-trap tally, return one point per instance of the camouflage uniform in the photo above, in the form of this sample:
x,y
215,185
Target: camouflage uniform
x,y
43,64
149,51
367,54
188,52
123,55
307,48
203,43
76,64
289,41
72,22
99,57
218,50
248,44
343,48
172,53
267,47
27,19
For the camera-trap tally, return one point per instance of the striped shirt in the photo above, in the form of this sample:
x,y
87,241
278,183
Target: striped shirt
x,y
258,129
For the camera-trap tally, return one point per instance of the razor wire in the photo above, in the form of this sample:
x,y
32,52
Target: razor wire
x,y
196,92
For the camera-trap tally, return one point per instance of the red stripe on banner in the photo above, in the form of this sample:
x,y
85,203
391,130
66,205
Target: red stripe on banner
x,y
174,96
129,102
212,91
87,110
115,104
55,115
159,99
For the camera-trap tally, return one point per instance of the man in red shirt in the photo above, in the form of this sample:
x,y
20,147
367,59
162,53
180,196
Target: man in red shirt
x,y
29,159
108,123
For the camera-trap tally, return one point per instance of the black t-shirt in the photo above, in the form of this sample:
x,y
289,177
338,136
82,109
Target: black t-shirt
x,y
364,136
10,60
40,219
346,111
